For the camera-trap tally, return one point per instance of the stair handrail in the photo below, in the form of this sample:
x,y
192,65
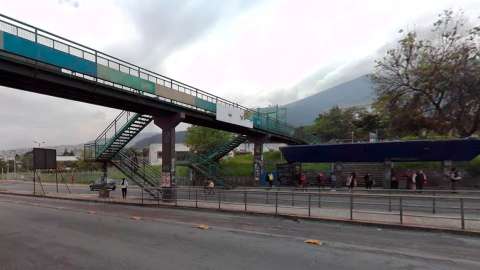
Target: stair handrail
x,y
214,177
130,115
127,154
229,143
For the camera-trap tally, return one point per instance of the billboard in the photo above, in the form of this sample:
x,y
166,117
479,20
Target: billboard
x,y
234,116
44,158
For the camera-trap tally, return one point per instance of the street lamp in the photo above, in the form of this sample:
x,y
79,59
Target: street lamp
x,y
38,143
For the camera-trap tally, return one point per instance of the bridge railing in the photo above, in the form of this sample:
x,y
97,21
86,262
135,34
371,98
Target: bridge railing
x,y
48,39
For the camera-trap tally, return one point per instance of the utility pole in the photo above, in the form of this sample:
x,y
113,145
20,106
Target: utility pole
x,y
14,165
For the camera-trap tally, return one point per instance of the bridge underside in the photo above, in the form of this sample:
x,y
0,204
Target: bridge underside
x,y
33,76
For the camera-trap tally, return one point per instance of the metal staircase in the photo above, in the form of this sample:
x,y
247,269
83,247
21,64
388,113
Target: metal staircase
x,y
116,136
217,155
208,168
140,172
109,147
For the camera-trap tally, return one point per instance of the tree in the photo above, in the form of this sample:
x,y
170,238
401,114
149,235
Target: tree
x,y
336,124
203,139
87,166
370,121
432,83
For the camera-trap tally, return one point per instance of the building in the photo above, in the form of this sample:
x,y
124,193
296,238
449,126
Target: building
x,y
155,152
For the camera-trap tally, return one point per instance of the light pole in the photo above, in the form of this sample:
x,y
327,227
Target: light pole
x,y
38,143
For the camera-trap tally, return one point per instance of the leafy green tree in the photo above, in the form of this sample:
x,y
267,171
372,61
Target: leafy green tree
x,y
432,83
336,124
207,140
87,166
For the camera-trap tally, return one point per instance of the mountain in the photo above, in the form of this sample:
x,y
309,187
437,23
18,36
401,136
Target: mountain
x,y
157,138
355,92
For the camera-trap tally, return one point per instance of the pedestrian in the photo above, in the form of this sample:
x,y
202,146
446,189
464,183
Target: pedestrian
x,y
368,180
454,178
419,179
135,162
124,187
352,181
393,180
71,179
210,187
205,185
270,179
321,182
333,180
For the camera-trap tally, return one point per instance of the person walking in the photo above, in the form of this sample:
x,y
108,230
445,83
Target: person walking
x,y
205,185
124,187
454,178
321,182
210,187
368,180
135,162
333,180
352,181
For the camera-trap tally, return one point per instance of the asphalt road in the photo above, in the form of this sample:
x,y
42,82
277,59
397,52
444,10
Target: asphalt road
x,y
34,234
449,204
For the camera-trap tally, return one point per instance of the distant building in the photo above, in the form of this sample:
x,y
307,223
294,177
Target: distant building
x,y
67,158
155,152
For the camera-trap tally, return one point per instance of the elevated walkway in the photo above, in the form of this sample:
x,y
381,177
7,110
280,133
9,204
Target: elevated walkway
x,y
35,60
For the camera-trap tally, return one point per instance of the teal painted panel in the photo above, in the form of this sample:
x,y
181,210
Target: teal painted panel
x,y
116,76
207,105
30,49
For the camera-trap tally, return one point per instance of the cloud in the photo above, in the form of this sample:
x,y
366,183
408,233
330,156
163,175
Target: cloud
x,y
75,4
163,27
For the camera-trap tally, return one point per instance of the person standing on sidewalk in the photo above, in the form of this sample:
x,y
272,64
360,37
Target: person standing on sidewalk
x,y
124,187
270,179
419,180
368,180
333,180
321,182
352,181
205,185
454,178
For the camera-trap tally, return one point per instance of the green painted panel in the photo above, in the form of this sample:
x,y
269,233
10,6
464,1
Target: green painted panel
x,y
116,76
1,40
207,105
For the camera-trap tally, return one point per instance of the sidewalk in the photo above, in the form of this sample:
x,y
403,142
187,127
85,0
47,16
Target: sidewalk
x,y
449,223
50,184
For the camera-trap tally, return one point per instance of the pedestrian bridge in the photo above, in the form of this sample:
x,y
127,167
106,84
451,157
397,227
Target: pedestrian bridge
x,y
38,61
35,60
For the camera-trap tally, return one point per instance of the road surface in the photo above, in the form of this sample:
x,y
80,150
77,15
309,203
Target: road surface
x,y
41,233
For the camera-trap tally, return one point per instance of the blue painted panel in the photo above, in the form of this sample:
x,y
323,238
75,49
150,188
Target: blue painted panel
x,y
207,105
405,151
30,49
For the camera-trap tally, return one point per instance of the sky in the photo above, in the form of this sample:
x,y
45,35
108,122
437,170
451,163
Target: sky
x,y
254,53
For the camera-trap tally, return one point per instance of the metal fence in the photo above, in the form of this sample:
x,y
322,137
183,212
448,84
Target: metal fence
x,y
82,177
433,208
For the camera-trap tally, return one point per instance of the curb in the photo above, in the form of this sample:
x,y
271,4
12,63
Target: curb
x,y
286,216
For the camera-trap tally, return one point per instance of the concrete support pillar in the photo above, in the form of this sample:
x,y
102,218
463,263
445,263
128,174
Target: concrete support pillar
x,y
103,192
446,167
258,142
192,177
168,123
387,175
338,168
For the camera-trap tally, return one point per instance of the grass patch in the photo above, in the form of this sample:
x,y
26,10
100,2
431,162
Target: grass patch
x,y
243,165
3,189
